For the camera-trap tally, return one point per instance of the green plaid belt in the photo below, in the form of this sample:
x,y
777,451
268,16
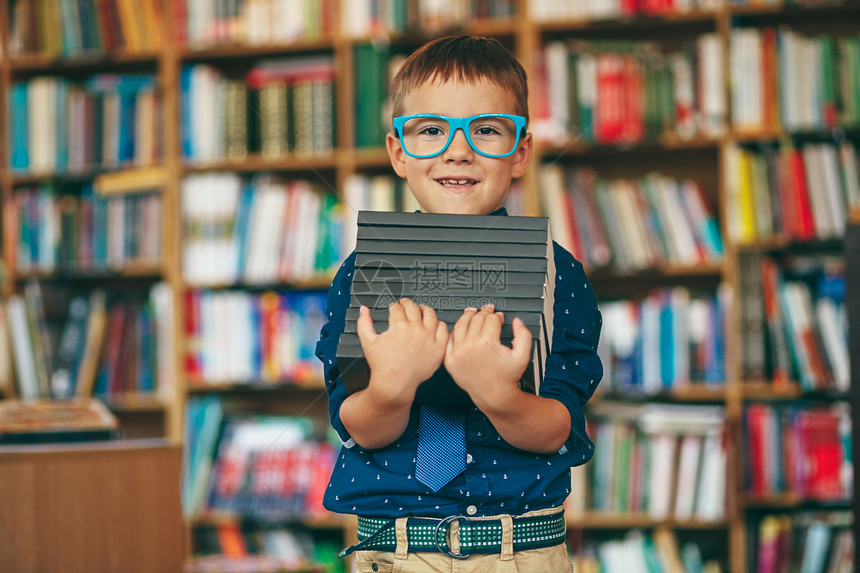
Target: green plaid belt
x,y
476,535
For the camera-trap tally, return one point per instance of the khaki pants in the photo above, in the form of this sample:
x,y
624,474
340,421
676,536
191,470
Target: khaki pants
x,y
545,560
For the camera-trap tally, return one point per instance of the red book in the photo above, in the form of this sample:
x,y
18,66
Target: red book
x,y
192,334
823,454
576,235
633,126
804,223
609,116
755,415
770,81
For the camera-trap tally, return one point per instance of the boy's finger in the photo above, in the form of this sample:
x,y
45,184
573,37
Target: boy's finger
x,y
441,331
413,311
364,327
492,330
522,343
396,312
477,324
461,327
428,315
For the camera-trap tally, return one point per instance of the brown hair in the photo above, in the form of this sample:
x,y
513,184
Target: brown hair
x,y
466,58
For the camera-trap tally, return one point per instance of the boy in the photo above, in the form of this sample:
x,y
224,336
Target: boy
x,y
503,510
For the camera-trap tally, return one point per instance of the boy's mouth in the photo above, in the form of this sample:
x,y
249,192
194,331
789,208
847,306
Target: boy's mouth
x,y
456,182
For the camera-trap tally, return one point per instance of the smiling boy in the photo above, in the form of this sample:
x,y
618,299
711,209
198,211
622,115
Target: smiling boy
x,y
460,108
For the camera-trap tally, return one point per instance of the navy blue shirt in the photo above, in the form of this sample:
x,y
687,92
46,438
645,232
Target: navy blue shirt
x,y
499,478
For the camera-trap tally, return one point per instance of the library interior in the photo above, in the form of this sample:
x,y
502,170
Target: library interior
x,y
162,406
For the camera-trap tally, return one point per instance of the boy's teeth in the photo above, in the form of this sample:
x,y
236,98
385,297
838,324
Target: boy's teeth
x,y
454,181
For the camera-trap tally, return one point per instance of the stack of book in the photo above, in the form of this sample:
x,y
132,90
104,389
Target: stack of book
x,y
450,263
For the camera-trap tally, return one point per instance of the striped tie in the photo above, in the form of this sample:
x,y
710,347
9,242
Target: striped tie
x,y
441,451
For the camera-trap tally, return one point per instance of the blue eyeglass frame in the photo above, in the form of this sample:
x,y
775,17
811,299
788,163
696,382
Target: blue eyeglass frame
x,y
461,123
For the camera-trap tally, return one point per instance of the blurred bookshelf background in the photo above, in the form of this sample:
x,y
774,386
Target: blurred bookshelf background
x,y
181,180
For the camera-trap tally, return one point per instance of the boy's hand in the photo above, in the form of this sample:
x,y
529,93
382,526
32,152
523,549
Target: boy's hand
x,y
406,354
480,364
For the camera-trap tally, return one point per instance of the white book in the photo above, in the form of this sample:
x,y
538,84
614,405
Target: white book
x,y
661,479
821,216
650,333
161,297
831,322
834,197
710,495
688,465
552,183
22,350
555,54
682,72
848,162
382,193
356,191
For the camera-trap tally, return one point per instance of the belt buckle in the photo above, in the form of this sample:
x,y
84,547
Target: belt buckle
x,y
439,541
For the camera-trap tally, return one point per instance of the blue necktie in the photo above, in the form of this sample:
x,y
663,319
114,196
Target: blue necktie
x,y
441,450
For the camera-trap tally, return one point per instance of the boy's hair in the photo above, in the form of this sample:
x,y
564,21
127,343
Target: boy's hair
x,y
462,57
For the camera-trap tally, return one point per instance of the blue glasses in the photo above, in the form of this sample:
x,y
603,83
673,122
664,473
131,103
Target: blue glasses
x,y
489,134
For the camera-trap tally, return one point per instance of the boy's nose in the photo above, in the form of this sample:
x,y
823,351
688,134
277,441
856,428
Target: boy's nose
x,y
459,150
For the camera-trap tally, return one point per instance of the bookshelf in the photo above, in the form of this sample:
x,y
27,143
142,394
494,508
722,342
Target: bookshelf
x,y
529,27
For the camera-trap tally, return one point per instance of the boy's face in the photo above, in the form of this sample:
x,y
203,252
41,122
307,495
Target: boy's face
x,y
459,180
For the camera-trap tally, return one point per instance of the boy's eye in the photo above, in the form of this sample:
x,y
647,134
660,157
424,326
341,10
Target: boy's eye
x,y
486,130
431,130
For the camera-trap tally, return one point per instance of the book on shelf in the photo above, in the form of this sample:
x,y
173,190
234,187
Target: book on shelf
x,y
105,121
259,232
782,78
84,232
675,458
637,550
794,320
436,268
267,468
49,421
798,449
278,108
253,338
611,92
670,340
631,224
814,541
84,28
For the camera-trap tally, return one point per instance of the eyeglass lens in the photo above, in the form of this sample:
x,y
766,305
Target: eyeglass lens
x,y
489,135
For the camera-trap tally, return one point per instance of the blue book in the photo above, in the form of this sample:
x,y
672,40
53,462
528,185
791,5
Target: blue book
x,y
667,340
62,125
120,83
19,157
127,123
145,337
185,97
240,229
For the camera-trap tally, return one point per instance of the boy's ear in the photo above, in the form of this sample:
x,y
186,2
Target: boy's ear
x,y
396,154
522,156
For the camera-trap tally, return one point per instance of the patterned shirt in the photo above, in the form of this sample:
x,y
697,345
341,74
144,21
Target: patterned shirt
x,y
499,478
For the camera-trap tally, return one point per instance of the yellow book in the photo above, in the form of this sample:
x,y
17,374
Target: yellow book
x,y
746,199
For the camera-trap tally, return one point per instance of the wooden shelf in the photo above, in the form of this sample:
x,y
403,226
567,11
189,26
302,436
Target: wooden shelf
x,y
763,390
579,147
19,178
789,501
659,272
198,386
134,402
255,163
214,519
790,11
693,392
621,24
243,52
152,270
42,63
313,283
625,521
